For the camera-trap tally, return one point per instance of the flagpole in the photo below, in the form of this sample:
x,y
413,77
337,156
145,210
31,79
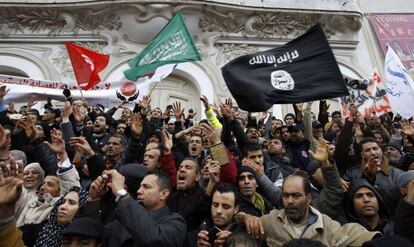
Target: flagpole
x,y
80,90
153,88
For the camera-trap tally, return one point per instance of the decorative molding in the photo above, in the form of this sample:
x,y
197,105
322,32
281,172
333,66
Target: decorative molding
x,y
276,24
56,20
228,52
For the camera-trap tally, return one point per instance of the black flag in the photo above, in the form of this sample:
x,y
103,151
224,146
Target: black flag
x,y
302,70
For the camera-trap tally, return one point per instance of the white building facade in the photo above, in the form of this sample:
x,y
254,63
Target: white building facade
x,y
32,36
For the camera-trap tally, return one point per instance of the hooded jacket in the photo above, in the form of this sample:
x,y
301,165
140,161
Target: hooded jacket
x,y
386,226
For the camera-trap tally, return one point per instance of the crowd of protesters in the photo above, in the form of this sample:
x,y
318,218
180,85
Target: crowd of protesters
x,y
78,177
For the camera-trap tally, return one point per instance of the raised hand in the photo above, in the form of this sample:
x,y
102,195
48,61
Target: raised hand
x,y
82,144
205,102
67,110
211,133
408,129
214,171
178,111
371,168
323,106
321,153
78,115
58,146
136,125
168,142
10,191
3,91
27,125
226,111
144,103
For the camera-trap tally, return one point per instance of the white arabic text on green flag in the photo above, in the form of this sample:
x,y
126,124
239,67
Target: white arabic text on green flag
x,y
173,44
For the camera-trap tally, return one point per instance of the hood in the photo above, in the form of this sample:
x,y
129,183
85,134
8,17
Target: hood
x,y
355,185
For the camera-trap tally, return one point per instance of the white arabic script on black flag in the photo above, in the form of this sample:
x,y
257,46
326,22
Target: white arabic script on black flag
x,y
302,70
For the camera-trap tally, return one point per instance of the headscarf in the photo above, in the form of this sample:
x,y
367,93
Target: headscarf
x,y
19,155
51,233
39,169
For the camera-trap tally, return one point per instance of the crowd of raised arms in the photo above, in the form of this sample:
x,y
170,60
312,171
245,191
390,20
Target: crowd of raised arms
x,y
76,176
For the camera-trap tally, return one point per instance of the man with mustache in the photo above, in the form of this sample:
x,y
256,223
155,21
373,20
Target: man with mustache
x,y
365,206
299,219
375,168
188,200
224,207
251,201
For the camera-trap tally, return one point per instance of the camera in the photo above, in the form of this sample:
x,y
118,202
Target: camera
x,y
107,178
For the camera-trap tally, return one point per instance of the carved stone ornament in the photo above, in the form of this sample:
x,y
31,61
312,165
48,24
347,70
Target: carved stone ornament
x,y
228,52
57,20
275,24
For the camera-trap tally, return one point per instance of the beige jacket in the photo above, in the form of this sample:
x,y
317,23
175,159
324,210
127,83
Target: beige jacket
x,y
278,231
31,210
324,229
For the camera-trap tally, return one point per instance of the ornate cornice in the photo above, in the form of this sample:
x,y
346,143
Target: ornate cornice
x,y
55,21
277,24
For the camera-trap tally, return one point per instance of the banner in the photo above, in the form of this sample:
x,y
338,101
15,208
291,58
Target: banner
x,y
369,95
400,86
108,94
302,70
86,65
397,31
173,44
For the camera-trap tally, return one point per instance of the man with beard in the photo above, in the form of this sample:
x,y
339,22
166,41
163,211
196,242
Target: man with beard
x,y
224,207
251,202
284,134
365,206
188,199
375,168
298,147
100,135
278,161
393,153
299,219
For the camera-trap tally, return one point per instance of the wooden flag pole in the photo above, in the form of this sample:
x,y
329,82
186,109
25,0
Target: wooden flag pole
x,y
153,88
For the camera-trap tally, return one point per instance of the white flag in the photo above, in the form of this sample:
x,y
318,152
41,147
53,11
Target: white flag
x,y
400,86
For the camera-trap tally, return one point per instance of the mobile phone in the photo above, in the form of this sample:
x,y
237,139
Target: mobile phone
x,y
212,234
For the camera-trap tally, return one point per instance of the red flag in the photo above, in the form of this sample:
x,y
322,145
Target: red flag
x,y
86,65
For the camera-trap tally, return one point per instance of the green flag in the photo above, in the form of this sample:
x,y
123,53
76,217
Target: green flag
x,y
172,45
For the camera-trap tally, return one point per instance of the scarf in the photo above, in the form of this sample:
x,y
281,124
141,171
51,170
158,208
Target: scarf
x,y
50,234
259,203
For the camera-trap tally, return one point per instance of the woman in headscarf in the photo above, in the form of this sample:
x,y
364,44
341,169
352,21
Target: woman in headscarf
x,y
33,176
48,233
